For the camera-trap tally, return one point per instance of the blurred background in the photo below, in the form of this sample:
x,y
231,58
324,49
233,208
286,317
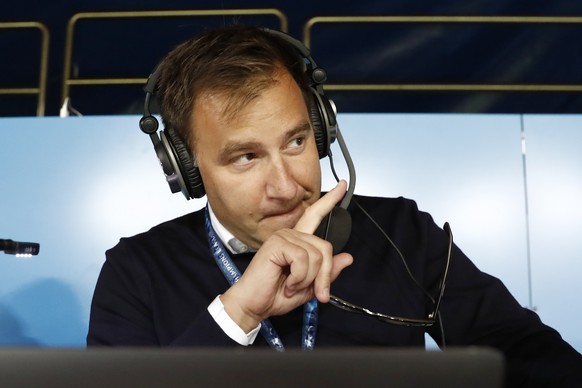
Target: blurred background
x,y
483,56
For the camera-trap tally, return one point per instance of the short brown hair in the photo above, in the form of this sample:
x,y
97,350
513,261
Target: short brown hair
x,y
239,60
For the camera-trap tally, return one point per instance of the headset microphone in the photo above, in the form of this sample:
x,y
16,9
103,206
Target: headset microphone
x,y
336,227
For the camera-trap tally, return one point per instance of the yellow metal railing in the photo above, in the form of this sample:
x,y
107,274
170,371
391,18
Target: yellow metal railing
x,y
307,37
68,81
39,90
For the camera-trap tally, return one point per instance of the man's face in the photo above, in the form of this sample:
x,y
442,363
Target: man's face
x,y
260,168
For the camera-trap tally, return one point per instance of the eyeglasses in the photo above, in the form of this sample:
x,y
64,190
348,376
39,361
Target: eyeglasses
x,y
430,320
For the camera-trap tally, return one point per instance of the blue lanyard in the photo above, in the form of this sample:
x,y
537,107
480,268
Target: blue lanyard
x,y
232,275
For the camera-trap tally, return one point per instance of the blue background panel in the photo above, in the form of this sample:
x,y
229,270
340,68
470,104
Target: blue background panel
x,y
554,166
76,185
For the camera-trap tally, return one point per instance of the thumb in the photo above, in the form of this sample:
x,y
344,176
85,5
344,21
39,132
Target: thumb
x,y
340,262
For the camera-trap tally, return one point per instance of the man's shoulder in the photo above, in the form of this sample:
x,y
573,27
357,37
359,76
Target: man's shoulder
x,y
173,234
183,224
385,203
389,212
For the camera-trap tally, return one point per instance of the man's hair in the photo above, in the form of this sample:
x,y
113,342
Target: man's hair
x,y
236,61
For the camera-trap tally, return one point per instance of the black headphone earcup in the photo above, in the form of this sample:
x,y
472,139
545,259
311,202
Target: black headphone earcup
x,y
190,172
319,129
323,120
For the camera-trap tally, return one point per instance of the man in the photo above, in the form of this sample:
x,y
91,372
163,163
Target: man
x,y
244,119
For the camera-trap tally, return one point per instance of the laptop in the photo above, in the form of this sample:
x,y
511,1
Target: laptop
x,y
221,367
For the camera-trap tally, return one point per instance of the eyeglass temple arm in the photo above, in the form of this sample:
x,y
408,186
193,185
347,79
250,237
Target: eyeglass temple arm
x,y
447,228
345,305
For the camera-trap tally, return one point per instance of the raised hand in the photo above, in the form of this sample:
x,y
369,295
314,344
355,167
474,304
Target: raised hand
x,y
290,268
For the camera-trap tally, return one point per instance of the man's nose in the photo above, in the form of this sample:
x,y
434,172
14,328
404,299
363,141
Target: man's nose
x,y
280,181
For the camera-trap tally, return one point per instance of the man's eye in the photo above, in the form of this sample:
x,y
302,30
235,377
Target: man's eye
x,y
297,142
244,159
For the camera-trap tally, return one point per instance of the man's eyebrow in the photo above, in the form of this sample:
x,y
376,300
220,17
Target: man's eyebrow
x,y
303,127
232,148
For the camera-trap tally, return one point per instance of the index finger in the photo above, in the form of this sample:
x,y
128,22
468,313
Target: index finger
x,y
315,213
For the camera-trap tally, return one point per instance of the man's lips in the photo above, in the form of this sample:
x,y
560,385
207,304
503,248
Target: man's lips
x,y
288,212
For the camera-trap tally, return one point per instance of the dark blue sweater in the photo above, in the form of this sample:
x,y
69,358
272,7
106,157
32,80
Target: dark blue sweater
x,y
154,289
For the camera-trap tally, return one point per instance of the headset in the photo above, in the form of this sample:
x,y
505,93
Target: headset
x,y
183,175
